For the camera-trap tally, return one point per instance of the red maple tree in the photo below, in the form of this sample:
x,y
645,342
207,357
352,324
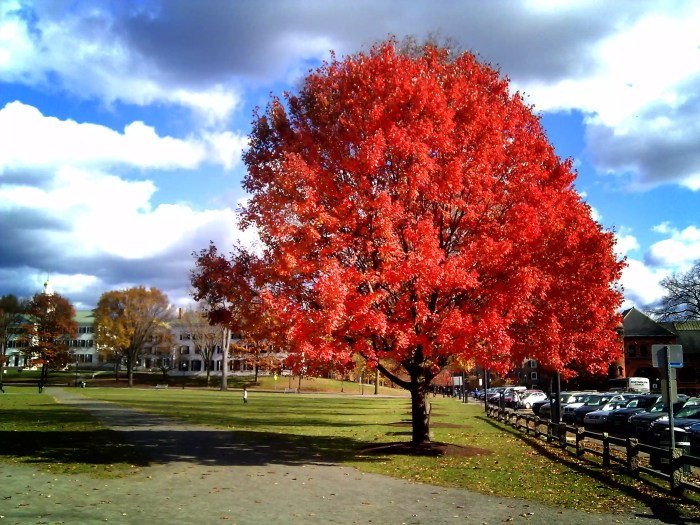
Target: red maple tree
x,y
49,327
411,207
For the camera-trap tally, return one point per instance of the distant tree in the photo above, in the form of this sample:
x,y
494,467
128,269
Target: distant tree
x,y
682,299
49,326
410,207
11,316
205,337
128,321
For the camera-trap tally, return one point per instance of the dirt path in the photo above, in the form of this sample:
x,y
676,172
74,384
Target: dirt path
x,y
200,475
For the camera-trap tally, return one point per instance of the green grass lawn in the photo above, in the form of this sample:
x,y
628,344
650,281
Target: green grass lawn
x,y
35,429
357,430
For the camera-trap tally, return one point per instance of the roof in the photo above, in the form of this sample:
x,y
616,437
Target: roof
x,y
688,335
638,324
84,317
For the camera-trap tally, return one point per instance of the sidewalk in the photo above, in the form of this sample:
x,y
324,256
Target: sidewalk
x,y
202,476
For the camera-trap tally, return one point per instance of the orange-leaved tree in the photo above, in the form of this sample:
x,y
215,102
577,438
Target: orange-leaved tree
x,y
127,321
49,326
409,206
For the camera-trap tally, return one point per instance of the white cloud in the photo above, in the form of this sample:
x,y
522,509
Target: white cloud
x,y
96,229
641,284
635,66
85,55
31,139
112,216
639,96
626,242
225,148
679,251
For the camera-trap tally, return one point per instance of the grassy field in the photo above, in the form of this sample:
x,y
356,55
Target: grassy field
x,y
35,429
105,378
360,430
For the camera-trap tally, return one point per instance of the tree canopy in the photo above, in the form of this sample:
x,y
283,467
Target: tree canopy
x,y
411,207
126,321
49,325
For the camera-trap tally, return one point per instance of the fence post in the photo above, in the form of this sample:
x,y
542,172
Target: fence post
x,y
550,431
561,431
580,443
633,456
606,450
676,465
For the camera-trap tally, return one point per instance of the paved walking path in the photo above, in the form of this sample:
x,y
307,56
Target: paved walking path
x,y
199,475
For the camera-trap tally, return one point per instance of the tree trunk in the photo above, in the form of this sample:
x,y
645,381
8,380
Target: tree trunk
x,y
418,386
42,377
224,359
130,372
420,412
2,371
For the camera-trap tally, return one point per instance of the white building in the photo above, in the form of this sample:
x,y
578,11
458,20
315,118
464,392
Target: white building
x,y
177,357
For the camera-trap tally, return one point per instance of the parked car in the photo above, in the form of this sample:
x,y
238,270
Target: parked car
x,y
596,402
567,411
512,396
566,399
532,396
539,404
639,425
685,418
617,420
598,420
693,433
493,395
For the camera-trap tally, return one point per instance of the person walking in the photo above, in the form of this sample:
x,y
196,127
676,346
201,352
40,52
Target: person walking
x,y
245,395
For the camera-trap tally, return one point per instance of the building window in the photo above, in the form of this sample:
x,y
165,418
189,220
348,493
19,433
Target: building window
x,y
532,363
184,350
632,351
533,375
643,351
196,366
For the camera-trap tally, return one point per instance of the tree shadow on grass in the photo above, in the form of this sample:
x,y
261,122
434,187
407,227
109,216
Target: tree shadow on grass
x,y
663,504
210,447
96,447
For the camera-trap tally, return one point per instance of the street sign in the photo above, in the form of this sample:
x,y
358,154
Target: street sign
x,y
675,356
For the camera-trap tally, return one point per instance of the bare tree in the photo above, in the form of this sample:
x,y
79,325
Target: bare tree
x,y
207,338
682,299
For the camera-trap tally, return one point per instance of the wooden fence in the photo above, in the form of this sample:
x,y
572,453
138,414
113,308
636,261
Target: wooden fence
x,y
668,464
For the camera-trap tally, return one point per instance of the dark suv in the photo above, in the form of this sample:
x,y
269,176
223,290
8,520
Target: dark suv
x,y
617,421
639,425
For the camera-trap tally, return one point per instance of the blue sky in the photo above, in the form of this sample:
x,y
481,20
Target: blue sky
x,y
122,123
